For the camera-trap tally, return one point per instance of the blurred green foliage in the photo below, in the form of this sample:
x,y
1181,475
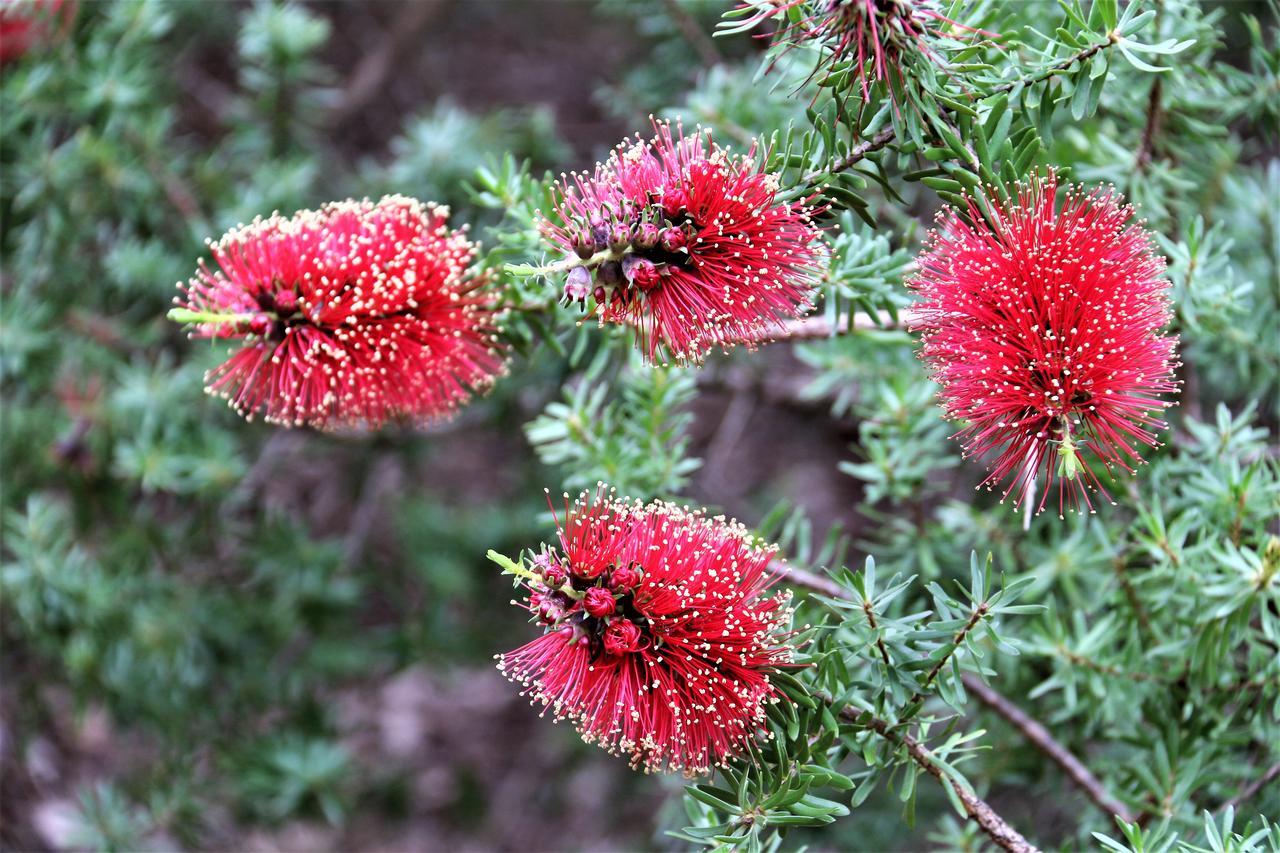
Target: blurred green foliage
x,y
212,585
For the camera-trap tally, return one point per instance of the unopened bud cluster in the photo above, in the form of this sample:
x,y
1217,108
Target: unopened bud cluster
x,y
595,612
628,253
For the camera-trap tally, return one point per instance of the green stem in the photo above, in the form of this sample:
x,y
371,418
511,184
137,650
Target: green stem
x,y
186,315
510,567
1069,466
570,263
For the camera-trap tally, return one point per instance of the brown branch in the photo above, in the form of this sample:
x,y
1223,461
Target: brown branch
x,y
859,152
1039,736
693,33
1146,149
817,327
1252,788
995,827
1055,69
1035,733
369,79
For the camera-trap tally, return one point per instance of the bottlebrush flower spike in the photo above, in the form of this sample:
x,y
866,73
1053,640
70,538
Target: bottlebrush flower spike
x,y
879,38
685,242
356,313
675,673
1043,329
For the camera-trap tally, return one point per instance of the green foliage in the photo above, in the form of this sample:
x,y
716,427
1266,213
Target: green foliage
x,y
219,591
291,775
630,433
440,151
869,668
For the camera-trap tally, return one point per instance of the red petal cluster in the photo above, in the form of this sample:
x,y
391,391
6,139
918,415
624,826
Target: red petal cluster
x,y
675,673
687,243
24,23
1043,329
357,313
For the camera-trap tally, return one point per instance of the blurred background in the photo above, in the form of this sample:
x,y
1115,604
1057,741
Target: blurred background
x,y
223,635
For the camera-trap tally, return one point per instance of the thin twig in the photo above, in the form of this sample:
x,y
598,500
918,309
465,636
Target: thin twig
x,y
870,613
1076,659
818,327
371,75
1035,733
995,827
807,580
1055,69
1131,595
733,422
384,478
1039,736
176,192
974,618
885,136
693,33
1146,149
859,152
1248,791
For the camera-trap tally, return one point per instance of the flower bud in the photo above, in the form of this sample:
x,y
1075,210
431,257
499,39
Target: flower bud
x,y
286,303
621,637
584,246
624,578
674,203
552,570
599,232
640,272
598,602
672,240
550,607
646,235
619,237
554,575
260,324
578,285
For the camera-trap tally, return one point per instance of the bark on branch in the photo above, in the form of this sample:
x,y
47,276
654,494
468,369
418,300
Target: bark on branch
x,y
995,827
1035,733
1039,737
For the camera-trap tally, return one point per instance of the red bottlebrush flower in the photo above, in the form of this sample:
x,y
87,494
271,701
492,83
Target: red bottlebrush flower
x,y
876,36
357,313
686,243
25,23
1043,330
678,677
